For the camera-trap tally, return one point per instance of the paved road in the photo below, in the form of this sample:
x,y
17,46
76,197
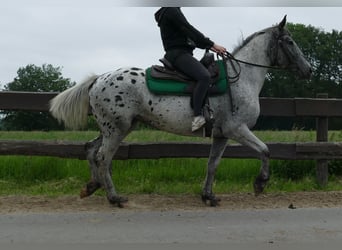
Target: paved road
x,y
267,227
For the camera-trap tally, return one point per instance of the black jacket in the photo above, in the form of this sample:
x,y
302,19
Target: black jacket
x,y
177,33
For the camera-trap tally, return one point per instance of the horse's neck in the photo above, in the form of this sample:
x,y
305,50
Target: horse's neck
x,y
254,52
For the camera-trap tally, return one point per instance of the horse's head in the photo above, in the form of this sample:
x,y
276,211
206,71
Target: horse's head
x,y
285,53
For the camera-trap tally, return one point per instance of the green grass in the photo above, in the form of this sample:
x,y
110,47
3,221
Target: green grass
x,y
154,136
56,176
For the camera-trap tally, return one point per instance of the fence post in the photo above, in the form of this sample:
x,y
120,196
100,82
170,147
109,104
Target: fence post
x,y
322,136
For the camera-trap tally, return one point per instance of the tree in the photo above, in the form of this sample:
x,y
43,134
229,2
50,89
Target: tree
x,y
36,79
323,50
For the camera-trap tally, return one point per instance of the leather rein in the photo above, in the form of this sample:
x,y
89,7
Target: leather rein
x,y
228,57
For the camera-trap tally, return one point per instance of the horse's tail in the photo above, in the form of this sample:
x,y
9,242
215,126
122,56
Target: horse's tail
x,y
72,105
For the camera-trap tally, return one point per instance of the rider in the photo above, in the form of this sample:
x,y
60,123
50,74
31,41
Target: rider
x,y
180,38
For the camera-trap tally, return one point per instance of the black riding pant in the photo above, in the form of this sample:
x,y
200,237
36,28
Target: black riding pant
x,y
190,66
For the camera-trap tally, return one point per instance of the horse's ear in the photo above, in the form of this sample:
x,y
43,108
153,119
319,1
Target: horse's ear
x,y
282,23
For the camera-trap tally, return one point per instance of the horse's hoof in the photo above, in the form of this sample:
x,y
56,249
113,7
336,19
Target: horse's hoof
x,y
89,189
84,193
118,200
213,201
259,185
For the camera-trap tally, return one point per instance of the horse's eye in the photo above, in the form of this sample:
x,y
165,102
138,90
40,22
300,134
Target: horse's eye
x,y
290,42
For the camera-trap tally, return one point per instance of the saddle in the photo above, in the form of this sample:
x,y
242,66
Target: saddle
x,y
167,73
165,80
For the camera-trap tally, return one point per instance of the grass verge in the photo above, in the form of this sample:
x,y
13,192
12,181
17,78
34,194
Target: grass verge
x,y
54,176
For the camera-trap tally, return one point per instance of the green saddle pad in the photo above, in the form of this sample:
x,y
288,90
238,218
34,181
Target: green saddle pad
x,y
171,87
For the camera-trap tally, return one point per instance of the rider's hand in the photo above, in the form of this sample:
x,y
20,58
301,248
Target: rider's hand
x,y
218,49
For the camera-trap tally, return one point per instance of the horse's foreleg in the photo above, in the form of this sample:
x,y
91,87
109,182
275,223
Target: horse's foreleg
x,y
246,137
216,151
92,148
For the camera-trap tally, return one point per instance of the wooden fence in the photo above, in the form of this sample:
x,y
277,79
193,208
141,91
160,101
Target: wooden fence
x,y
321,108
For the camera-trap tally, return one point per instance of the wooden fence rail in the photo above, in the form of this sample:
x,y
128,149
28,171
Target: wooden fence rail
x,y
279,107
65,149
322,108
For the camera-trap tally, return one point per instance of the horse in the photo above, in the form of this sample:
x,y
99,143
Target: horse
x,y
119,99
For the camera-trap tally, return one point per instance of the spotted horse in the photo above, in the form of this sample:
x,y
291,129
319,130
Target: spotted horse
x,y
120,99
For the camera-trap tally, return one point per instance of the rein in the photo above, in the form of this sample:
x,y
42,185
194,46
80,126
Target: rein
x,y
228,57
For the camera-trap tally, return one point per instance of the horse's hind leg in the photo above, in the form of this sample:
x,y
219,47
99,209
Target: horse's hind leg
x,y
94,184
110,144
217,148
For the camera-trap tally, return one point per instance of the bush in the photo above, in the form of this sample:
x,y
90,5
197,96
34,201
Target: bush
x,y
335,167
292,170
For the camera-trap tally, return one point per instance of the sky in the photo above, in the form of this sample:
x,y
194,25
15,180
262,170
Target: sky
x,y
93,37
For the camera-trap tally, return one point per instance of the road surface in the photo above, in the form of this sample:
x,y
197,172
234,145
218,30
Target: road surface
x,y
269,227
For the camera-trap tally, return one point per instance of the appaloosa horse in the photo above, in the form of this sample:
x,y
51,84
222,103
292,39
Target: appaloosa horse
x,y
121,98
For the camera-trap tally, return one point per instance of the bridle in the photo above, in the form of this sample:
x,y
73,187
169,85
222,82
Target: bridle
x,y
229,58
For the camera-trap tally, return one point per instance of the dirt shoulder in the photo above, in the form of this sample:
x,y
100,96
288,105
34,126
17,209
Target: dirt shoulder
x,y
42,204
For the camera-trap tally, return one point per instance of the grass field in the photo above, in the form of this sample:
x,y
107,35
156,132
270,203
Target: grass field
x,y
56,176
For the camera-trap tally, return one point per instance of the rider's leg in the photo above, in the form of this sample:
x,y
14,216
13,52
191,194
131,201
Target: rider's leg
x,y
194,69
